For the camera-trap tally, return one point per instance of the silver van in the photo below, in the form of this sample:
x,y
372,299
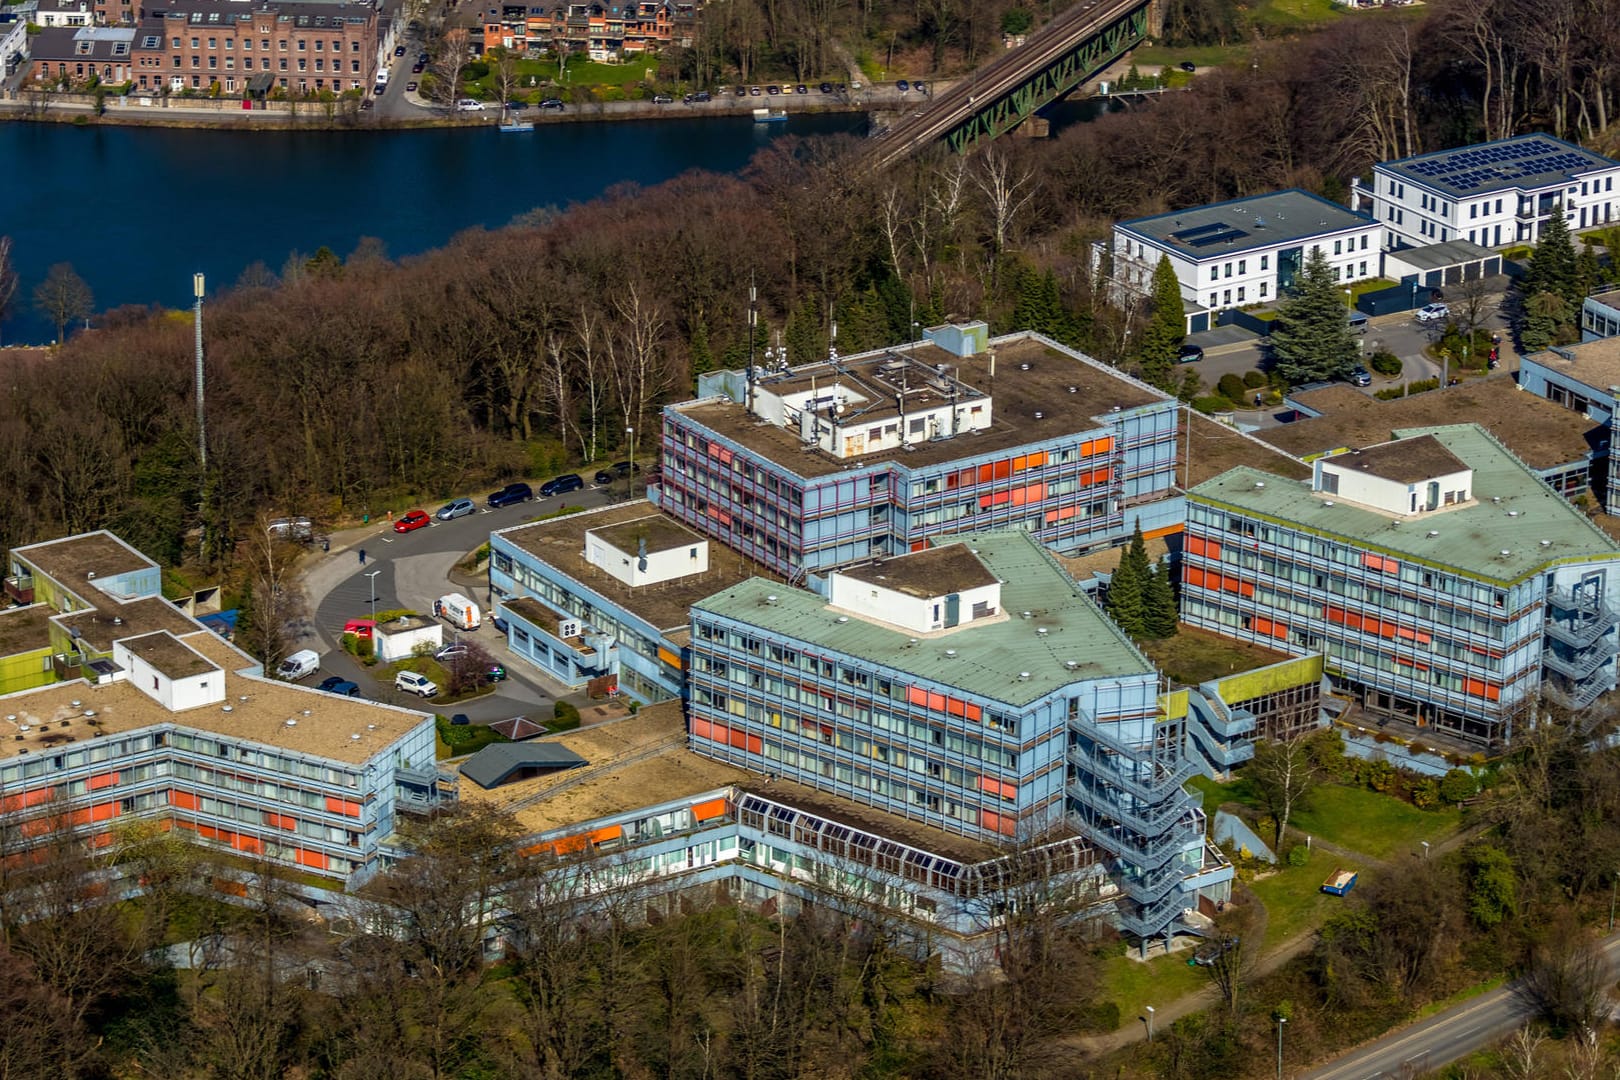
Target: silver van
x,y
295,528
1359,321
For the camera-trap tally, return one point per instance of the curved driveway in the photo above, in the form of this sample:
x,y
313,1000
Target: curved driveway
x,y
411,570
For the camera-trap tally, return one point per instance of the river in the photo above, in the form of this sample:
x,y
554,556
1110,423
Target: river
x,y
137,211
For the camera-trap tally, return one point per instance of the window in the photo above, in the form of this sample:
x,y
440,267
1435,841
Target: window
x,y
1226,297
1338,247
1240,294
1363,241
1262,290
1242,264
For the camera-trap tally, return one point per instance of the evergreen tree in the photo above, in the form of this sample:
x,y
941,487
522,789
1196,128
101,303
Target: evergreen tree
x,y
1312,339
1034,309
1127,590
702,355
1546,321
1588,271
1166,327
1552,267
1159,598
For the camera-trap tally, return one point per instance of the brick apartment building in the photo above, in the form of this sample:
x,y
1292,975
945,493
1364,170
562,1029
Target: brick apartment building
x,y
291,45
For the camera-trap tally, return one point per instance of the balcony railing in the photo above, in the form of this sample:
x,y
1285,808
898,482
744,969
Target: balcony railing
x,y
1162,786
20,588
1577,696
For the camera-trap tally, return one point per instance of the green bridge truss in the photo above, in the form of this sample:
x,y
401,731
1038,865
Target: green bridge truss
x,y
1086,58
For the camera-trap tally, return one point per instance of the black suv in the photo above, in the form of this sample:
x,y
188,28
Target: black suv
x,y
617,471
1189,354
511,493
562,485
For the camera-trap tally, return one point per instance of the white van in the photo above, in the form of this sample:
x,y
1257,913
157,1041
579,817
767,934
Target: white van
x,y
300,665
470,105
458,611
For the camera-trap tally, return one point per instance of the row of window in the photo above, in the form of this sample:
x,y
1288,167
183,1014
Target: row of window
x,y
247,64
151,42
917,732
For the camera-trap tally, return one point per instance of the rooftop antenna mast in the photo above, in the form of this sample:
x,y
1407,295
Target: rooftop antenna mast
x,y
202,416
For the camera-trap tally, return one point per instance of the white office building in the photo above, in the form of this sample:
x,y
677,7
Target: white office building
x,y
1245,251
1493,194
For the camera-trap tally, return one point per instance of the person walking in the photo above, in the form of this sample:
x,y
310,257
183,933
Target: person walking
x,y
362,556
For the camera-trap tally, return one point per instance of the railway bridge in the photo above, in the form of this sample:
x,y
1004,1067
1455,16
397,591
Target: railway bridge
x,y
1004,93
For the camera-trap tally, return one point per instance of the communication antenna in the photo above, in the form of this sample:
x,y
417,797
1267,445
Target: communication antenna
x,y
753,321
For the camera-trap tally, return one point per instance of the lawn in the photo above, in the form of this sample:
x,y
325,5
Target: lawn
x,y
1154,57
450,741
1194,656
535,76
1372,824
1294,898
1132,984
1288,15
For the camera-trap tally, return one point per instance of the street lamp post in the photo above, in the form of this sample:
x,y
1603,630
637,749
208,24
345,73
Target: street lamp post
x,y
1281,1020
1425,844
373,577
1150,1022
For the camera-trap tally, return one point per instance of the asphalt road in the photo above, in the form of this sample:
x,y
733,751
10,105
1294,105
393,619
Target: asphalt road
x,y
411,570
1445,1037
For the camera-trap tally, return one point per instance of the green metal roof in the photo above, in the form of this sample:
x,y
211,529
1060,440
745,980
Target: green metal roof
x,y
1470,539
990,656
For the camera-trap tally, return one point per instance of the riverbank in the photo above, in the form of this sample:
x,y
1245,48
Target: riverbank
x,y
82,110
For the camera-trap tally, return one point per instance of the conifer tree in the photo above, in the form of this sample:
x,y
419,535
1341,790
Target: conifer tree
x,y
1553,267
1166,328
1127,591
1159,598
1312,339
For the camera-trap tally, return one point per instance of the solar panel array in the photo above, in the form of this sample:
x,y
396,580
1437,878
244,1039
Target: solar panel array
x,y
1188,234
1222,237
1470,169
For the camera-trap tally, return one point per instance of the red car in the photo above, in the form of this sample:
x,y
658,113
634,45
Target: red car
x,y
412,521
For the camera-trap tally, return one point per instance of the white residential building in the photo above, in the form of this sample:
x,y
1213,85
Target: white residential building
x,y
13,47
1493,194
1245,251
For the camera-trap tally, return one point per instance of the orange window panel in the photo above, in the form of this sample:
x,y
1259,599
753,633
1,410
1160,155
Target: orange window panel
x,y
317,859
26,799
280,821
611,832
184,799
1061,515
673,659
700,728
103,781
756,745
705,811
1192,575
917,696
919,545
1168,530
739,738
1005,824
342,806
936,702
972,712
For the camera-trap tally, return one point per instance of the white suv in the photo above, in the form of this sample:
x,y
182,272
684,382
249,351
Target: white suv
x,y
470,105
1433,312
413,683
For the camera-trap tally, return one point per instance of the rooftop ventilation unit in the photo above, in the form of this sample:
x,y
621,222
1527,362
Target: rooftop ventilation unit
x,y
1024,366
1504,553
1041,630
1074,389
292,722
74,703
1023,676
355,737
842,619
224,708
950,654
1513,513
1327,502
1026,614
1546,543
89,713
1434,532
772,599
1072,665
1259,484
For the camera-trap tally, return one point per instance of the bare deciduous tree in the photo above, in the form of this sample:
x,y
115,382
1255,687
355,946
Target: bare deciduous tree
x,y
63,298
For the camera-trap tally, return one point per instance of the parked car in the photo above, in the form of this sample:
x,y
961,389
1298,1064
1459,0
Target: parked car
x,y
919,86
755,91
331,681
517,106
343,688
412,682
413,520
410,88
460,720
368,103
299,528
450,651
1188,66
455,508
469,105
826,88
562,485
616,471
300,665
416,68
662,99
901,85
399,50
552,103
1189,354
1213,952
801,89
511,493
495,673
1433,313
1359,376
500,624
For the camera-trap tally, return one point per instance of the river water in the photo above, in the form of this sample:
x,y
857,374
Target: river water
x,y
137,211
